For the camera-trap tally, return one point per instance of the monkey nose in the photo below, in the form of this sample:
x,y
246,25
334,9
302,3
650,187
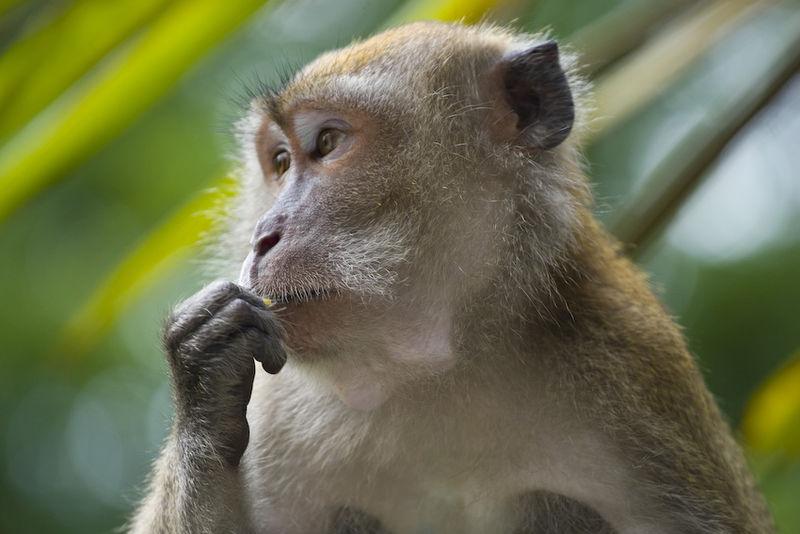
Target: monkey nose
x,y
265,243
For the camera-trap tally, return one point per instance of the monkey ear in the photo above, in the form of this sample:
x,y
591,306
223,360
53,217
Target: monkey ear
x,y
536,89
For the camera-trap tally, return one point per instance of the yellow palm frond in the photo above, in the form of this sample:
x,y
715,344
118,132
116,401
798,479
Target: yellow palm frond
x,y
771,422
86,117
152,258
51,57
469,11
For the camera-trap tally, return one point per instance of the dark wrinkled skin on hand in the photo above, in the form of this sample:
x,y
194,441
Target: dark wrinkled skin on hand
x,y
211,340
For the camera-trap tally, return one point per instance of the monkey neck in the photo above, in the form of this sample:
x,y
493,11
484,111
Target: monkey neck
x,y
523,308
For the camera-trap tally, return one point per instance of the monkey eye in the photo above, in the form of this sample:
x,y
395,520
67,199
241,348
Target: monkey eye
x,y
327,140
281,161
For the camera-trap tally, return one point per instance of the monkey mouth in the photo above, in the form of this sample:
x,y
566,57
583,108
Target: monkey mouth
x,y
298,296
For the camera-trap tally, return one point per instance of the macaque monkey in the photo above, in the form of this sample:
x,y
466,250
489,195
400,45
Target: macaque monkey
x,y
452,343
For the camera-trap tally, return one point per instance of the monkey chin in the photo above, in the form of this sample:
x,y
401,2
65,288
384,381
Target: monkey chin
x,y
311,325
363,350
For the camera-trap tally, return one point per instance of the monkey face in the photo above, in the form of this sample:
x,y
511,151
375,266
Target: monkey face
x,y
389,177
325,247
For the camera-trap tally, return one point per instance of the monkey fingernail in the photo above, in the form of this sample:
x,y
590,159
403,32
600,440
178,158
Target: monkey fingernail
x,y
273,367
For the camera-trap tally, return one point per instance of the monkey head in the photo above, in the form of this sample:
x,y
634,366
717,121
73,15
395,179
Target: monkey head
x,y
383,200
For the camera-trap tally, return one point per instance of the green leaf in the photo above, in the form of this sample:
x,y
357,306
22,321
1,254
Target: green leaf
x,y
651,205
49,59
86,118
613,36
7,5
153,257
650,70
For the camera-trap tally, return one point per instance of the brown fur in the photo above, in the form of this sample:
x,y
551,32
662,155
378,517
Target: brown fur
x,y
483,358
650,394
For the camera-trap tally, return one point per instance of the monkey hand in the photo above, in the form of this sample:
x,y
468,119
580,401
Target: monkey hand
x,y
211,340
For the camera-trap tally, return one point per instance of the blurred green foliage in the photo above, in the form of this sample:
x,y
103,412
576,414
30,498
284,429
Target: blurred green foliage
x,y
113,127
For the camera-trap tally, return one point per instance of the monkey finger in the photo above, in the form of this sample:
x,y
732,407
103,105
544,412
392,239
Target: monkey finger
x,y
192,313
250,297
265,349
238,329
217,331
267,322
239,315
244,313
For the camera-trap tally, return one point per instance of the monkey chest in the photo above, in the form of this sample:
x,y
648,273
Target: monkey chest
x,y
309,469
423,496
391,506
430,504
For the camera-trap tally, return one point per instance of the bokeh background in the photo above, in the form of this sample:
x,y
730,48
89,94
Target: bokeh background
x,y
114,133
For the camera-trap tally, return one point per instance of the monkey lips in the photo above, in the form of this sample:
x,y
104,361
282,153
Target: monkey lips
x,y
249,278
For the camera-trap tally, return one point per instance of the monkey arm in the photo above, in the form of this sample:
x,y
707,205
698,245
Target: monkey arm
x,y
211,341
191,490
